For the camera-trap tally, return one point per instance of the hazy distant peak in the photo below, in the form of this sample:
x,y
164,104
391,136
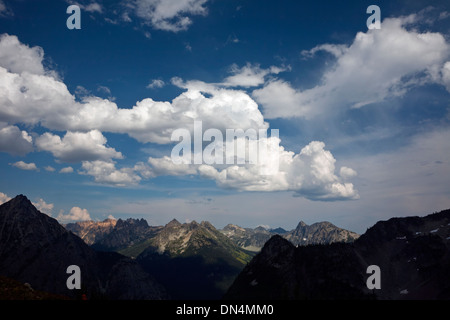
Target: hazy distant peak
x,y
301,224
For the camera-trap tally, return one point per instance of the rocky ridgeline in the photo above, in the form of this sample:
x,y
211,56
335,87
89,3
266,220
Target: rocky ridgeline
x,y
413,256
36,249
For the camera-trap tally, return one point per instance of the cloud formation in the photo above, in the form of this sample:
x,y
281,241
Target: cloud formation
x,y
378,65
66,170
250,75
4,198
77,146
25,166
15,141
75,214
155,83
106,172
44,207
169,15
38,97
311,173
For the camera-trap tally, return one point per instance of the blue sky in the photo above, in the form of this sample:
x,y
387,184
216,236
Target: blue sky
x,y
86,116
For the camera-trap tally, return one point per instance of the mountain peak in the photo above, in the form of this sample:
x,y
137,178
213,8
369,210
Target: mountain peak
x,y
207,224
173,223
301,224
20,200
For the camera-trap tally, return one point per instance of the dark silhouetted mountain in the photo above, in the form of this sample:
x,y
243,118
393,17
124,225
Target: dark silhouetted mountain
x,y
413,255
193,260
36,249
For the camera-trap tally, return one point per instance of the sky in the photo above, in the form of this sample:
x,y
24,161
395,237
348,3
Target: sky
x,y
354,120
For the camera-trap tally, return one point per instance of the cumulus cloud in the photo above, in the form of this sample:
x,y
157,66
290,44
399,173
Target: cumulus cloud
x,y
66,170
311,173
49,169
75,214
155,83
17,57
33,99
165,166
15,141
250,75
44,207
4,198
25,166
169,15
378,65
36,98
347,173
77,146
106,172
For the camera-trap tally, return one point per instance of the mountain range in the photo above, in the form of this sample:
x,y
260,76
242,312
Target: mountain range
x,y
318,233
128,259
412,254
132,236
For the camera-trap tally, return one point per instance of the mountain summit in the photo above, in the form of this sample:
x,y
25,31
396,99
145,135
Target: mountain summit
x,y
36,249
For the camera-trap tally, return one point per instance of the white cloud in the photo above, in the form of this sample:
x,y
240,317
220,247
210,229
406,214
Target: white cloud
x,y
17,57
77,146
4,198
105,172
378,65
155,83
49,169
169,15
75,214
25,166
250,75
104,89
280,100
15,141
165,166
336,50
310,173
446,75
47,101
347,173
40,99
93,7
44,207
66,170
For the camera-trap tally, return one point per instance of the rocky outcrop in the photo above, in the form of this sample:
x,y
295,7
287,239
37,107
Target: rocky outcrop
x,y
319,233
91,231
125,234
